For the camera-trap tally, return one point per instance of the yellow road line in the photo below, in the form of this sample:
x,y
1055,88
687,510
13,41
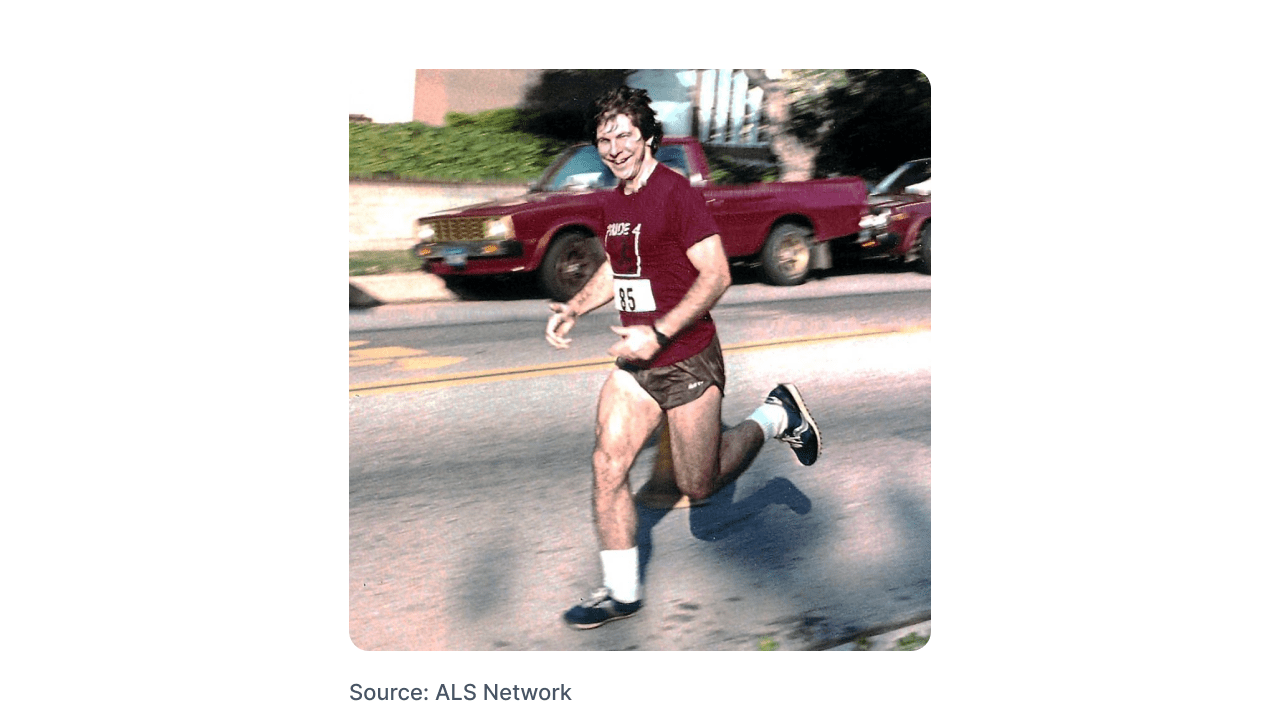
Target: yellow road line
x,y
535,371
733,348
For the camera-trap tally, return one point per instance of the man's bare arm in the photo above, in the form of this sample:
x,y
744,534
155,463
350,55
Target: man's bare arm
x,y
597,292
713,279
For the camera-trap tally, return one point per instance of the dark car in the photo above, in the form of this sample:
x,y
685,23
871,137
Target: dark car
x,y
897,220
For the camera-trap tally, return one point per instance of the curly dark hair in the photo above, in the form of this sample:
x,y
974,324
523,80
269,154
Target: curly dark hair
x,y
632,102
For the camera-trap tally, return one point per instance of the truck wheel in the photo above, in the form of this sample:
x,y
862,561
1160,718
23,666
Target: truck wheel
x,y
787,254
569,263
923,264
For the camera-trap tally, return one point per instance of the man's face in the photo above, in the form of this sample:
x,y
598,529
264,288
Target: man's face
x,y
621,146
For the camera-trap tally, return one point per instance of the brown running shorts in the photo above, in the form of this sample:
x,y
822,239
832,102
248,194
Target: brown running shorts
x,y
685,381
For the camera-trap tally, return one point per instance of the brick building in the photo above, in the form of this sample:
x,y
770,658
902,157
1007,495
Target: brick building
x,y
436,92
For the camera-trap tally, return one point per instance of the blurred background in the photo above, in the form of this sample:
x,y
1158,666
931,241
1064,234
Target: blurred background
x,y
423,141
761,124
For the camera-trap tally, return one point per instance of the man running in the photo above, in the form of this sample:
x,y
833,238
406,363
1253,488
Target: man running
x,y
666,270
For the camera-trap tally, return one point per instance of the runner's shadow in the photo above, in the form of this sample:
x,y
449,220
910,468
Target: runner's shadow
x,y
718,517
722,516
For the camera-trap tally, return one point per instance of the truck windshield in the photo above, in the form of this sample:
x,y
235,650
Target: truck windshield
x,y
908,173
580,168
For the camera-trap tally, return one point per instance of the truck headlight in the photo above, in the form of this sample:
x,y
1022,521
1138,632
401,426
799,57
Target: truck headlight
x,y
874,220
499,229
426,231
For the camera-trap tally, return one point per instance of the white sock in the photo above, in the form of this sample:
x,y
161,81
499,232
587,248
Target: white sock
x,y
771,418
622,573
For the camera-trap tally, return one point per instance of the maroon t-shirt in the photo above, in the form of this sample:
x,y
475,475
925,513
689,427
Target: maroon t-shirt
x,y
647,235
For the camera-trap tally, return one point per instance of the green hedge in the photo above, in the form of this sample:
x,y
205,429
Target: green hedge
x,y
488,145
484,146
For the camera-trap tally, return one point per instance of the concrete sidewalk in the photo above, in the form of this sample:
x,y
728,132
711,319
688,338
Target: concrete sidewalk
x,y
369,291
415,299
395,288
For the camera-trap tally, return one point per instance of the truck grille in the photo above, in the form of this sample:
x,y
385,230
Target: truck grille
x,y
458,229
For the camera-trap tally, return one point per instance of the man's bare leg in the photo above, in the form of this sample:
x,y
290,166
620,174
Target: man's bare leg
x,y
704,459
626,416
659,492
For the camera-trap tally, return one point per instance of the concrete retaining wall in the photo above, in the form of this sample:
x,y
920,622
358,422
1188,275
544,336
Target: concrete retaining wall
x,y
381,212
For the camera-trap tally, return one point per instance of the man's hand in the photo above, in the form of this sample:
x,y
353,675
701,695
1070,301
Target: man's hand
x,y
561,322
638,343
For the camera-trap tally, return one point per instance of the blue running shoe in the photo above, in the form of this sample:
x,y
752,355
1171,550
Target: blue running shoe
x,y
802,432
599,609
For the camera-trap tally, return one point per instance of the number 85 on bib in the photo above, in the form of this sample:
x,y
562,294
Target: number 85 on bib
x,y
633,295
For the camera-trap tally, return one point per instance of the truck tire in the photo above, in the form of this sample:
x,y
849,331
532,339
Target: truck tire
x,y
569,263
923,264
787,254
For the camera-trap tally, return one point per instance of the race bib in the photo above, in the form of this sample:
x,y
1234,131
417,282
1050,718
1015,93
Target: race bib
x,y
633,295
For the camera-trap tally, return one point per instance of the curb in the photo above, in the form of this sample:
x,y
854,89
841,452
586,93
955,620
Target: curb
x,y
896,639
395,288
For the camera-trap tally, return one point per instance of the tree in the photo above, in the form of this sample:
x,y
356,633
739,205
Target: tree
x,y
795,157
881,118
559,105
845,122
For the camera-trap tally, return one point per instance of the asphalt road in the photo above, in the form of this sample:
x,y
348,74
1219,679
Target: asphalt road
x,y
470,523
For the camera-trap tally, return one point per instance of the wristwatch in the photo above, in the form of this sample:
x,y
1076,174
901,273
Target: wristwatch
x,y
663,340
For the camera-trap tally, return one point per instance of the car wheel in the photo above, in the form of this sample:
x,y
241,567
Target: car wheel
x,y
923,264
569,263
787,254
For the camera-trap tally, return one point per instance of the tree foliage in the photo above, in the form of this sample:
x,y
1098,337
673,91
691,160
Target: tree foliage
x,y
508,144
863,122
485,146
559,105
853,122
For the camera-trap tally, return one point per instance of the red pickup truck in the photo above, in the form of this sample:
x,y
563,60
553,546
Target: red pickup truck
x,y
554,230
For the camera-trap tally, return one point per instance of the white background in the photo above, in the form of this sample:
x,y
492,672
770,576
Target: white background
x,y
176,532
